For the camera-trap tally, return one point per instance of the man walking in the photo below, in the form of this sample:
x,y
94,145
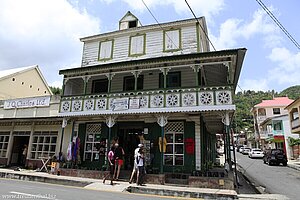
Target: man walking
x,y
135,168
141,167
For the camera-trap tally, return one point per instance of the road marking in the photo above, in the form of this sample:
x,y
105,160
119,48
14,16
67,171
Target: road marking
x,y
40,196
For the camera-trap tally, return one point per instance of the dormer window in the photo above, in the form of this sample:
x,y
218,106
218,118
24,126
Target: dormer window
x,y
132,24
128,21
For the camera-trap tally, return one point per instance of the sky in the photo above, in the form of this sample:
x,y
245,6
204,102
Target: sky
x,y
47,33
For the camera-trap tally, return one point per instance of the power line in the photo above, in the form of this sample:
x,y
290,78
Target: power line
x,y
277,22
159,24
200,25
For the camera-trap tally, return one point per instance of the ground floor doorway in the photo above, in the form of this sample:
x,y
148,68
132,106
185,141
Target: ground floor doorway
x,y
129,138
19,150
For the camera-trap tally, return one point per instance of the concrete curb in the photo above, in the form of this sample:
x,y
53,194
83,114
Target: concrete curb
x,y
185,194
259,188
52,180
164,190
293,166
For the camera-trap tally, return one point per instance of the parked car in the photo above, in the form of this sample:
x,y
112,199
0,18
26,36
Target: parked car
x,y
241,149
238,148
275,156
256,153
246,150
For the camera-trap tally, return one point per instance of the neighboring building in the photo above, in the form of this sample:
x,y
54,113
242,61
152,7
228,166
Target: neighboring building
x,y
293,110
30,120
22,82
277,130
264,110
141,83
294,121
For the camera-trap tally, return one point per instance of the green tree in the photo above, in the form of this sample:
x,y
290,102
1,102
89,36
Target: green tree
x,y
56,90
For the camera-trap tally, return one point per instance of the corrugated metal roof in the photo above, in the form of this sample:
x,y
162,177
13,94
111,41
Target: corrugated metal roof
x,y
277,101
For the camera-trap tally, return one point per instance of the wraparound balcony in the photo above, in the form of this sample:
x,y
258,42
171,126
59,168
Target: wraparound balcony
x,y
152,101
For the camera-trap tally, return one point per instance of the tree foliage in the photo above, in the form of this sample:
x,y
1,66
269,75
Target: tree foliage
x,y
56,90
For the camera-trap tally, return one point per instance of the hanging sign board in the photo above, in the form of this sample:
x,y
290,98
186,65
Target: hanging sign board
x,y
120,104
27,102
134,103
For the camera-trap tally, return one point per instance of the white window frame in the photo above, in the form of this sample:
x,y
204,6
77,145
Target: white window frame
x,y
92,143
172,40
137,45
174,143
106,50
4,139
44,144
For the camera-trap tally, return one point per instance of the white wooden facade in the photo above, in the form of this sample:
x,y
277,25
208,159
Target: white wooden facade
x,y
203,93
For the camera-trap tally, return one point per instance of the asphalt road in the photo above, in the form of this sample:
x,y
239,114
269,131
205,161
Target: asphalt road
x,y
275,179
17,189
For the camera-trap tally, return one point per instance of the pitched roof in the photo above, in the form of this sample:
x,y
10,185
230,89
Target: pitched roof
x,y
9,72
277,101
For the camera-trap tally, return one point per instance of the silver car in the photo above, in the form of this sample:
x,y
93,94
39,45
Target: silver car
x,y
246,150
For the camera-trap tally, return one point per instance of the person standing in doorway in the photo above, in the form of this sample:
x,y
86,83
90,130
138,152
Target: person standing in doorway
x,y
111,163
24,155
141,167
135,168
119,160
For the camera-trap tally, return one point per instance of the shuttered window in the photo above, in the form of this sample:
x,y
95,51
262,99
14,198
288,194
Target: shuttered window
x,y
172,40
105,50
137,45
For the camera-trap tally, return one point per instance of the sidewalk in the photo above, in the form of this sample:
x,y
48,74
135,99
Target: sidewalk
x,y
119,186
295,164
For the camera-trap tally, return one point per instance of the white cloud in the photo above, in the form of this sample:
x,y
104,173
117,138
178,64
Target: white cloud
x,y
287,67
43,32
255,84
200,7
233,31
284,74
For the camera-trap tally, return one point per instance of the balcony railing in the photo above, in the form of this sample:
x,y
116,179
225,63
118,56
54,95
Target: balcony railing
x,y
145,100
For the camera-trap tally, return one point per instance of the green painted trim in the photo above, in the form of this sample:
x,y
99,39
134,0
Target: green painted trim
x,y
198,37
164,40
144,47
112,50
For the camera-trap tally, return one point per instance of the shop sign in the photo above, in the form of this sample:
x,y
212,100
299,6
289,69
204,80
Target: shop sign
x,y
120,104
27,102
134,103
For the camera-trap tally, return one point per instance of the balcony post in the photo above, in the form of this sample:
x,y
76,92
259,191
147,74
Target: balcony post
x,y
162,121
64,85
110,122
109,77
85,82
136,75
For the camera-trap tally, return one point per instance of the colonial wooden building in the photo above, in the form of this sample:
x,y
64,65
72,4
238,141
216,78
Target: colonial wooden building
x,y
28,116
144,83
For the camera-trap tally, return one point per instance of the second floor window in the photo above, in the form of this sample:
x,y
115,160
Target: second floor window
x,y
105,50
173,80
129,82
172,41
137,45
276,111
99,86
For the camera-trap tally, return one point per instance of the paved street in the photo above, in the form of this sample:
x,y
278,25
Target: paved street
x,y
275,179
15,189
